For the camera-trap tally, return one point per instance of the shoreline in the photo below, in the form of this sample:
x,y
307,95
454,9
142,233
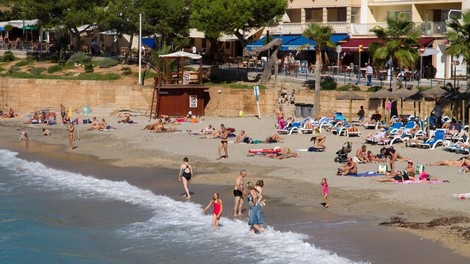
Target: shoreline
x,y
282,191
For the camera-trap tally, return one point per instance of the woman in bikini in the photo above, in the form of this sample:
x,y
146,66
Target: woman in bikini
x,y
223,134
218,208
185,174
71,129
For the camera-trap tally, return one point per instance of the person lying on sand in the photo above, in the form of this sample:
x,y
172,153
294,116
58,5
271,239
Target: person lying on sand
x,y
33,120
285,153
273,139
126,120
350,168
453,163
402,175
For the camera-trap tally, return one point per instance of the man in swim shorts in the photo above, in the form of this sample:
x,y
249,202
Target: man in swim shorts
x,y
238,192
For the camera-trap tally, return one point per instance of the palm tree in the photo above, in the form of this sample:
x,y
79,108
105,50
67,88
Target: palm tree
x,y
398,45
321,35
459,38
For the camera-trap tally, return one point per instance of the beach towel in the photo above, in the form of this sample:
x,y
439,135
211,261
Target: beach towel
x,y
311,149
366,174
462,196
417,181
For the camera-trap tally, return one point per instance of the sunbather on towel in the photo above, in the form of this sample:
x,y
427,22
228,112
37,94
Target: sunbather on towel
x,y
376,137
454,163
318,139
10,114
350,168
285,153
402,175
95,125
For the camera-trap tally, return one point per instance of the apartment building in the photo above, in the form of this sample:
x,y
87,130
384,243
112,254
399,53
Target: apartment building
x,y
357,17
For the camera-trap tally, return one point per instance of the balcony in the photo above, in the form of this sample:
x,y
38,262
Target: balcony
x,y
298,28
427,28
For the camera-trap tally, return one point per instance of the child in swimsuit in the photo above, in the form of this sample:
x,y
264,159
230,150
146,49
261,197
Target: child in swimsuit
x,y
324,185
218,208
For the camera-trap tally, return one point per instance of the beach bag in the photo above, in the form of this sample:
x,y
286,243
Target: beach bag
x,y
419,168
382,168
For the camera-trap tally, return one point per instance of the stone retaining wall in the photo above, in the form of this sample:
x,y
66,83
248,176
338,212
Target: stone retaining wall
x,y
27,95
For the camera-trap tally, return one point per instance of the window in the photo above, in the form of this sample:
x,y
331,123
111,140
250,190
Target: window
x,y
314,15
336,14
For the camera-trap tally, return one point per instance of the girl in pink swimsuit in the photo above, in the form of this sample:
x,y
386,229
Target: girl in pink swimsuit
x,y
324,185
218,208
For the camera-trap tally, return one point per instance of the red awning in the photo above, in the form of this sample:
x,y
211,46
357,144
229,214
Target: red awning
x,y
353,44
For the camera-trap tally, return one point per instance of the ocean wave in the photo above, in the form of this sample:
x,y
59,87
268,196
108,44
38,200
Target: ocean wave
x,y
177,223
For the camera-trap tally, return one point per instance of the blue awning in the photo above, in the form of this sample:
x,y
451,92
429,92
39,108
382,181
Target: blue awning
x,y
294,42
260,42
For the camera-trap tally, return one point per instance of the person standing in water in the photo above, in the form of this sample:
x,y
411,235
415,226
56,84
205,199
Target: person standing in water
x,y
238,192
185,174
218,208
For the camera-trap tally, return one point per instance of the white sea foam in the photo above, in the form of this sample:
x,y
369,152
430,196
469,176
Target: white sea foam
x,y
173,221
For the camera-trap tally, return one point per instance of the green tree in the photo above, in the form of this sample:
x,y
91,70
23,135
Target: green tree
x,y
398,45
321,34
69,14
214,17
122,17
170,19
459,37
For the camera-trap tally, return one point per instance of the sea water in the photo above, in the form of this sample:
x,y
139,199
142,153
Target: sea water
x,y
54,216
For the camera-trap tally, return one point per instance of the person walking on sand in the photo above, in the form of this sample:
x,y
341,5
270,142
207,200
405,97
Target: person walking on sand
x,y
324,185
238,192
185,174
223,134
218,208
71,129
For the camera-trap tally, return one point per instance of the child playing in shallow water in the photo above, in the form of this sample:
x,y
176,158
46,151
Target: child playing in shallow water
x,y
324,184
218,208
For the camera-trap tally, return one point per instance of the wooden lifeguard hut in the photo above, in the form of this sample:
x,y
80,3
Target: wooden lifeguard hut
x,y
177,91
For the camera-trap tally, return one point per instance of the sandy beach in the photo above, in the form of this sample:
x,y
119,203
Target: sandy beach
x,y
293,182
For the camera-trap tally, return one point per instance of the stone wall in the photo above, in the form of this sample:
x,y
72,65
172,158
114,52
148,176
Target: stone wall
x,y
26,95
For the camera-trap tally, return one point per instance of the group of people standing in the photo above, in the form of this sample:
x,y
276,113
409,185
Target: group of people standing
x,y
254,194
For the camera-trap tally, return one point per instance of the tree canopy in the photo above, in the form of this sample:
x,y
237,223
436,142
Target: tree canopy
x,y
398,45
459,37
214,17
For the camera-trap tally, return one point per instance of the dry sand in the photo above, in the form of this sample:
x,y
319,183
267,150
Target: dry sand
x,y
292,181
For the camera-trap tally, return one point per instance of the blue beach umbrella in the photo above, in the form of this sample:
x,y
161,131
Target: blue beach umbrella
x,y
2,29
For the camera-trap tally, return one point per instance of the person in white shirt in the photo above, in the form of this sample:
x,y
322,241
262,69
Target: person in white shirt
x,y
369,72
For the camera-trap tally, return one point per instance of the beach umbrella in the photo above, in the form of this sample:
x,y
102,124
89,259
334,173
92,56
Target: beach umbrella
x,y
419,98
2,29
404,93
385,94
435,92
349,95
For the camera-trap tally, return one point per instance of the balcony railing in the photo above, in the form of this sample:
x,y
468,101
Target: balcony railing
x,y
427,28
298,28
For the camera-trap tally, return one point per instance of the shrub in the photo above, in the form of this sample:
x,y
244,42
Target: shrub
x,y
126,70
2,69
88,67
79,58
37,71
108,63
14,69
346,87
8,56
328,83
61,62
22,63
54,68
